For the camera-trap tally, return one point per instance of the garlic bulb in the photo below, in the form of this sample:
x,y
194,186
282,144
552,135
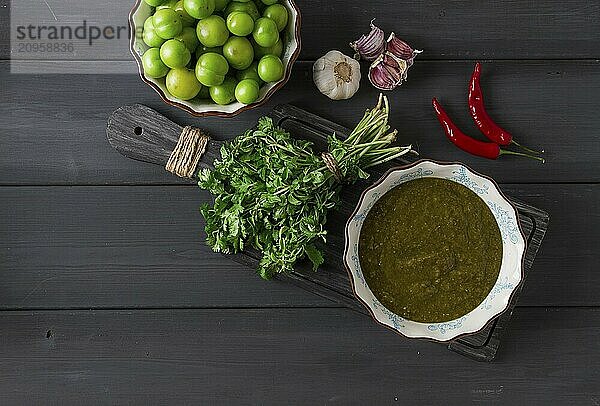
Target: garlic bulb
x,y
336,75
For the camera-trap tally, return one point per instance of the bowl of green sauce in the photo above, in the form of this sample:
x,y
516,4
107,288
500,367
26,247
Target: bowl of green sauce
x,y
434,250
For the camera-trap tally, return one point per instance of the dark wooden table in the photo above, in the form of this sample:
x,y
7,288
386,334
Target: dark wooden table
x,y
109,296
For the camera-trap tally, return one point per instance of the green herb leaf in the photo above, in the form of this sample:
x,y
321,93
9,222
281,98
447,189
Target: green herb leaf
x,y
315,256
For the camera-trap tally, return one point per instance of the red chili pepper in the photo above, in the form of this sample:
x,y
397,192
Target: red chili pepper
x,y
485,124
461,140
483,149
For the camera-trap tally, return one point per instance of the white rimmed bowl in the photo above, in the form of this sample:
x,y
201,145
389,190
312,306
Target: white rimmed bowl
x,y
200,108
513,248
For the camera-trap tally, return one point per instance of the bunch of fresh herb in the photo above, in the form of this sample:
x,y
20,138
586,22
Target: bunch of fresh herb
x,y
272,192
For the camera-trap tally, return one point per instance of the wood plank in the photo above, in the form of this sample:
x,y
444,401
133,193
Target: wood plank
x,y
507,29
563,246
504,29
93,247
89,247
79,67
283,356
57,122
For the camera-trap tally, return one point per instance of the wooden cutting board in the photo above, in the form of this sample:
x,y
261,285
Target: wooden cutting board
x,y
141,133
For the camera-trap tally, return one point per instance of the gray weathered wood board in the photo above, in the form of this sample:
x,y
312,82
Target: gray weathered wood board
x,y
120,247
286,356
135,247
553,106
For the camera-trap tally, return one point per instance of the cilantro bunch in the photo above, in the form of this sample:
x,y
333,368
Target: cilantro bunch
x,y
272,192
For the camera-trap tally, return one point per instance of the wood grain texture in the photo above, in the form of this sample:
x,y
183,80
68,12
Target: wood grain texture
x,y
504,29
286,356
90,247
508,29
545,104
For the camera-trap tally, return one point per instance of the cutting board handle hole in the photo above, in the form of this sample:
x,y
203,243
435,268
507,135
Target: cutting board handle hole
x,y
138,130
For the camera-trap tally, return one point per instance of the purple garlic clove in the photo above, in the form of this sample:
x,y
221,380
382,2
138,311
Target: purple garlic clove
x,y
369,46
387,72
401,49
397,68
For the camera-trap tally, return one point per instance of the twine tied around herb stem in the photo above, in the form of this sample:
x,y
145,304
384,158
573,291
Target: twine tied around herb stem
x,y
332,165
190,147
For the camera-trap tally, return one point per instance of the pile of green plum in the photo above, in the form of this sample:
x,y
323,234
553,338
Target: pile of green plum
x,y
218,49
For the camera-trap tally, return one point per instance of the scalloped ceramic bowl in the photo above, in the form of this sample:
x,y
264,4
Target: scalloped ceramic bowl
x,y
199,108
513,247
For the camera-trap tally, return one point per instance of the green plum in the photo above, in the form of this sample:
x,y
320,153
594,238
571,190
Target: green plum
x,y
251,72
225,92
240,23
211,69
248,7
277,13
220,5
265,32
247,91
189,38
186,19
152,39
269,2
270,68
182,83
175,54
154,67
276,49
199,9
167,23
149,35
239,52
148,25
212,31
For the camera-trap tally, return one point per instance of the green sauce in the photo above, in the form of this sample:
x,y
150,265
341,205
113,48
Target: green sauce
x,y
430,250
